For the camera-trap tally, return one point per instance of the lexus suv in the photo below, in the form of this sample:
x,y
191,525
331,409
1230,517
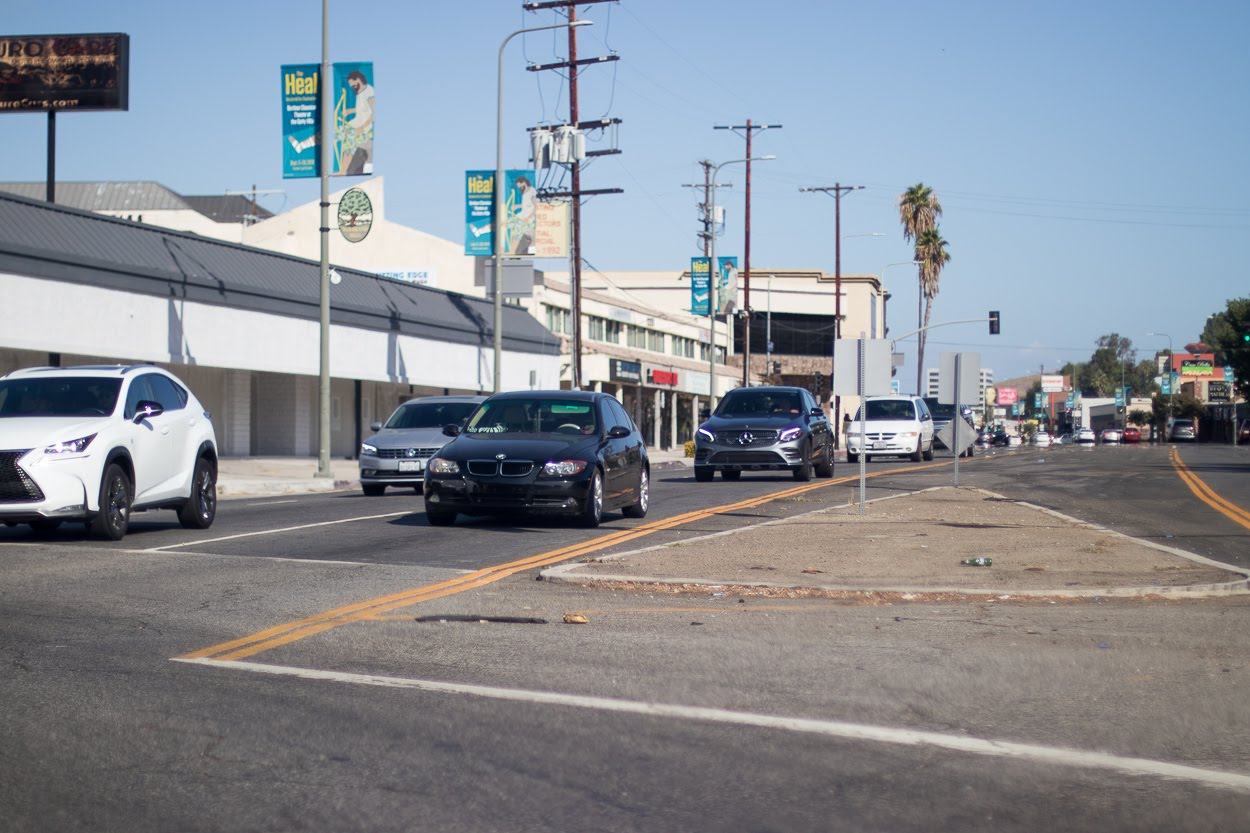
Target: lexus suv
x,y
92,444
399,451
764,429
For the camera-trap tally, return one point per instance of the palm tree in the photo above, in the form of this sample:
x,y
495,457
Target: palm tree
x,y
932,254
918,210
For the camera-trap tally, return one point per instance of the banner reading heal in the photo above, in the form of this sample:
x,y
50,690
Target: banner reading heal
x,y
700,281
479,196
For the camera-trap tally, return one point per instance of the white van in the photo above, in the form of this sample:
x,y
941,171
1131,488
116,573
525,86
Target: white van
x,y
896,426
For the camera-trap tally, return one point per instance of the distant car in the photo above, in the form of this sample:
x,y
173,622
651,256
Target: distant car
x,y
1063,439
1041,439
985,439
1131,435
1183,430
397,454
1085,436
1243,433
1014,441
895,426
1110,435
770,428
560,452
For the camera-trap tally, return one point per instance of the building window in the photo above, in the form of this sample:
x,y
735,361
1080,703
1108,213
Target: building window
x,y
558,320
684,347
601,329
655,341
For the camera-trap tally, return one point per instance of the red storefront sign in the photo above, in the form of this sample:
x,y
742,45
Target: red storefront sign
x,y
662,377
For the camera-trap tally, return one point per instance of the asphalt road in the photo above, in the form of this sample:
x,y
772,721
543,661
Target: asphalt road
x,y
480,710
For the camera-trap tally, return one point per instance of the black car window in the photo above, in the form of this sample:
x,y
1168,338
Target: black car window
x,y
138,391
165,392
618,415
890,409
747,402
531,416
430,414
63,396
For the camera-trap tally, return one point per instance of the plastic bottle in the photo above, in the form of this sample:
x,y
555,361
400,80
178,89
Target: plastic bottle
x,y
979,561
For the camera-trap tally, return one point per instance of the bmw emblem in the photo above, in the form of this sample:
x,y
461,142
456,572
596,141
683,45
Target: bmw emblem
x,y
746,438
500,456
412,452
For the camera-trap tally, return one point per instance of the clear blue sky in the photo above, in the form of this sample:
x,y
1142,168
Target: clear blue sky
x,y
1090,157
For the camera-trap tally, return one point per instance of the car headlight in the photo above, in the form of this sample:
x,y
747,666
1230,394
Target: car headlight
x,y
562,468
371,450
439,465
908,434
707,435
77,446
792,433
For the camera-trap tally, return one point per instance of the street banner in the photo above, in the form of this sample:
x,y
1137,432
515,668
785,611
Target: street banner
x,y
479,195
353,119
1037,400
519,209
551,226
299,121
727,283
700,281
43,73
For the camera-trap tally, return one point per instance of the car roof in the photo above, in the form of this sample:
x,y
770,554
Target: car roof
x,y
449,398
906,397
83,370
576,395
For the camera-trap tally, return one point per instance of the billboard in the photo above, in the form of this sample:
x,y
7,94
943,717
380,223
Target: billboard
x,y
40,73
700,283
1052,383
353,100
1008,396
551,238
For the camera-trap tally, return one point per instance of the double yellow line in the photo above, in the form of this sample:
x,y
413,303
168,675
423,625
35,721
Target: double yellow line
x,y
289,632
1206,494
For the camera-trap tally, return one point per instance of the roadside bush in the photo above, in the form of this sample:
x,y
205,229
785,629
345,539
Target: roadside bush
x,y
689,448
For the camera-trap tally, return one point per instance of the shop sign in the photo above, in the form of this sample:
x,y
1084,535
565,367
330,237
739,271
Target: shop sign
x,y
662,377
1198,366
1218,392
620,370
43,73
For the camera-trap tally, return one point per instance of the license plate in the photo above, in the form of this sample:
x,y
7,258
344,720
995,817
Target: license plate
x,y
880,444
411,465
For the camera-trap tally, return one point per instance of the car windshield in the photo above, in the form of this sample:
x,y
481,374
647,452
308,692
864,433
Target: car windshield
x,y
534,416
61,396
430,414
756,403
889,409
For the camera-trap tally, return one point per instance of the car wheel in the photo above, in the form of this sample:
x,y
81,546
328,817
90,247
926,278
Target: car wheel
x,y
201,507
113,519
803,471
928,452
703,474
592,509
731,475
825,467
439,517
916,456
639,509
372,489
852,457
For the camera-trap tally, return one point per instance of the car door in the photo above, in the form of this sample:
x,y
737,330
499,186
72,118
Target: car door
x,y
622,455
176,425
818,425
151,442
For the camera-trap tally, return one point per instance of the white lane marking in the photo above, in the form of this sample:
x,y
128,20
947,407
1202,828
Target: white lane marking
x,y
272,502
275,531
829,728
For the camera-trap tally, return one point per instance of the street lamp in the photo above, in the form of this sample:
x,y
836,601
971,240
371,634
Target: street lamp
x,y
1171,382
711,280
499,196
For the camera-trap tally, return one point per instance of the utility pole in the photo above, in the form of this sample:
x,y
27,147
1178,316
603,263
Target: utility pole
x,y
746,249
709,222
575,193
837,189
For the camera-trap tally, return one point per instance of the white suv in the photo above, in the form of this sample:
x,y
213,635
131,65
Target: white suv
x,y
92,444
898,426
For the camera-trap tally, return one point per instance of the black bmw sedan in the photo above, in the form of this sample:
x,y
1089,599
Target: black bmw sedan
x,y
573,453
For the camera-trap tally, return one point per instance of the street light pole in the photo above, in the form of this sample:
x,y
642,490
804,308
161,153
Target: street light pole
x,y
325,150
712,281
1171,382
497,241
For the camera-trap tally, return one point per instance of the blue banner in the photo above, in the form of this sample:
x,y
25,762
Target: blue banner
x,y
519,211
299,121
479,195
727,283
700,282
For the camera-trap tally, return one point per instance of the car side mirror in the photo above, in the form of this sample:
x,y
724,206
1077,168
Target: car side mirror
x,y
618,432
147,409
451,429
816,412
375,426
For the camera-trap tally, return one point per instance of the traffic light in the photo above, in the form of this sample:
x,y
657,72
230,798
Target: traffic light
x,y
1245,335
820,381
993,322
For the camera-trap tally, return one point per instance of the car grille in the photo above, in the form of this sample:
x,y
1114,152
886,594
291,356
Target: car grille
x,y
505,468
880,435
747,438
405,453
745,458
15,485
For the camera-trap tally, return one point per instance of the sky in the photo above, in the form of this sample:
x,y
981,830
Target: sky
x,y
1089,157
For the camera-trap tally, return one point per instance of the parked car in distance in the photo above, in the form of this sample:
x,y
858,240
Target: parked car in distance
x,y
1041,439
573,453
942,416
97,443
1063,439
985,439
1110,435
397,453
1243,433
895,426
768,428
1014,441
1130,435
1085,436
1183,430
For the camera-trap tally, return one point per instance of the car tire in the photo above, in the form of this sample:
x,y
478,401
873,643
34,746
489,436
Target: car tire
x,y
639,509
703,474
928,452
852,457
917,455
592,509
825,467
803,471
439,517
372,489
116,495
201,507
728,474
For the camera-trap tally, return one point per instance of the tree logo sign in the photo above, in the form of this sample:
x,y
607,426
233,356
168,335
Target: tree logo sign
x,y
355,215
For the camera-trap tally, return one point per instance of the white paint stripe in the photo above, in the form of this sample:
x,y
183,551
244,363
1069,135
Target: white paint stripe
x,y
829,728
272,502
276,531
